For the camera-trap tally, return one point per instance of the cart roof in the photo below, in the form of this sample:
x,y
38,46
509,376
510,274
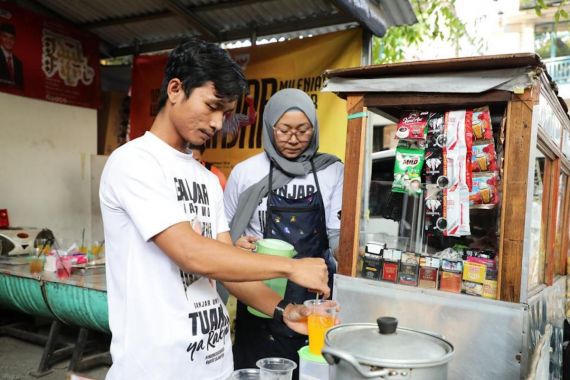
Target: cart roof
x,y
468,75
489,62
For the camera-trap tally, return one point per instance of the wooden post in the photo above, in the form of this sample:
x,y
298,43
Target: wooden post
x,y
352,191
565,244
515,182
550,211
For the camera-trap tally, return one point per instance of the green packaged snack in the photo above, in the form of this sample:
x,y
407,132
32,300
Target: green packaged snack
x,y
407,170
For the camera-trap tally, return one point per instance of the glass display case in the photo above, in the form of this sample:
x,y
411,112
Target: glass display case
x,y
537,230
474,200
469,188
432,220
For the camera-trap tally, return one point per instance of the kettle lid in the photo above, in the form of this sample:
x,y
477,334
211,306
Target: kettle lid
x,y
384,344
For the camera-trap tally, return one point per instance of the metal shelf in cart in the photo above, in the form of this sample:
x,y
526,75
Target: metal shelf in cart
x,y
535,137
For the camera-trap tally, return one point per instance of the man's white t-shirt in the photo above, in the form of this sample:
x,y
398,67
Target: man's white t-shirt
x,y
166,324
254,169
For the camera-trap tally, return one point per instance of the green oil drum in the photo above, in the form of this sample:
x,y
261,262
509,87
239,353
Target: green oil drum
x,y
78,306
23,294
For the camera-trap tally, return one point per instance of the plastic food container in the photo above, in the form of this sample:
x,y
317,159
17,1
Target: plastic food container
x,y
311,366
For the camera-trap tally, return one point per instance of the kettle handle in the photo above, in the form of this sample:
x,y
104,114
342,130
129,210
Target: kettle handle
x,y
334,356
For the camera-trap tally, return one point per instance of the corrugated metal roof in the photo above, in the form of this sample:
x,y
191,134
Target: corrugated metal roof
x,y
404,71
487,62
80,12
129,26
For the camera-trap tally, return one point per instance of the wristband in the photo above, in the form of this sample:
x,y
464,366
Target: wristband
x,y
280,310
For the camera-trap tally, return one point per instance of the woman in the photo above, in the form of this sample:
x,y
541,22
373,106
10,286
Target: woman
x,y
302,208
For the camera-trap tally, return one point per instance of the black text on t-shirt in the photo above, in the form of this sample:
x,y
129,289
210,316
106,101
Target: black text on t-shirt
x,y
295,191
211,322
195,201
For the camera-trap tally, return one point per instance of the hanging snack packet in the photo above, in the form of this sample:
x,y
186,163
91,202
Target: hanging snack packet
x,y
485,193
412,126
456,195
434,209
434,164
455,152
435,132
434,148
469,147
483,157
456,212
481,124
407,170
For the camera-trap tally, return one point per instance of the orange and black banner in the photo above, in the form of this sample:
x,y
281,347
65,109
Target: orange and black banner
x,y
269,68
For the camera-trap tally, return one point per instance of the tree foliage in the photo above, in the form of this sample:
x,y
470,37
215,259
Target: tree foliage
x,y
545,48
560,13
437,20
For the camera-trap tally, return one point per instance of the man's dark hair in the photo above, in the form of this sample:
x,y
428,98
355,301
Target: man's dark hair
x,y
196,62
7,28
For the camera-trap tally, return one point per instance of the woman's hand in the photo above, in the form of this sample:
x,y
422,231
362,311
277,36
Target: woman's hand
x,y
246,242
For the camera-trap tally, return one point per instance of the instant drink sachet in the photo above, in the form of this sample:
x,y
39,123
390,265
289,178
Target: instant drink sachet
x,y
413,126
407,170
481,124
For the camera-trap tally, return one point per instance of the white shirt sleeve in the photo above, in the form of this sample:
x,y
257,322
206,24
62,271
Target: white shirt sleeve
x,y
134,184
221,222
231,194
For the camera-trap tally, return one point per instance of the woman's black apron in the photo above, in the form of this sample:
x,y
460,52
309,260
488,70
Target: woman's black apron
x,y
302,223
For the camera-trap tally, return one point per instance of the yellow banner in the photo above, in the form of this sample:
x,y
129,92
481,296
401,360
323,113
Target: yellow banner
x,y
292,64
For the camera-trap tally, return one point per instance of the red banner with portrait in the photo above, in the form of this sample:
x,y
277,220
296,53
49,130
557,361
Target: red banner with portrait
x,y
44,58
148,72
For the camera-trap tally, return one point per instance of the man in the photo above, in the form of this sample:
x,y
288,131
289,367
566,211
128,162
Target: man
x,y
10,66
166,235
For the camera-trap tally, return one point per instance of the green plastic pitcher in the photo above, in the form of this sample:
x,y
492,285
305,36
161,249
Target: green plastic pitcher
x,y
274,247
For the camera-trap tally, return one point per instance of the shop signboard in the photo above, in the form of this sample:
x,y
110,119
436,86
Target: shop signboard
x,y
47,59
269,68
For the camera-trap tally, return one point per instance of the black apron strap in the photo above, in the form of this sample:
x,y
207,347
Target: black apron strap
x,y
269,194
315,176
270,176
320,194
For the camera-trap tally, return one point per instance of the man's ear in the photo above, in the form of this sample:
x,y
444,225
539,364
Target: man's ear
x,y
175,91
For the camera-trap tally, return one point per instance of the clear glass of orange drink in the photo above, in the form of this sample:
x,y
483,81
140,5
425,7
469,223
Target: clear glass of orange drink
x,y
322,318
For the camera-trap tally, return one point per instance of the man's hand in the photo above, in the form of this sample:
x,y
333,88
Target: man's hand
x,y
311,273
295,317
246,242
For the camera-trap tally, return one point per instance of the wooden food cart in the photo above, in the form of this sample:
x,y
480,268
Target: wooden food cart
x,y
519,333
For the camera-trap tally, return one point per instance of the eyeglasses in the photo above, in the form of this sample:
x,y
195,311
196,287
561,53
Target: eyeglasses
x,y
285,134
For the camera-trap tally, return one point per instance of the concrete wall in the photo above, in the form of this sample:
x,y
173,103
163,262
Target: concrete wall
x,y
45,169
